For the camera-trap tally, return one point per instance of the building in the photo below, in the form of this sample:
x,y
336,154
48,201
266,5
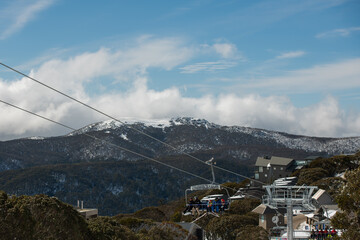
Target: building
x,y
267,169
87,213
308,211
269,217
323,198
194,230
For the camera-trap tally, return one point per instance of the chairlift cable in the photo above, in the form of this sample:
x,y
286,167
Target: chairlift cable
x,y
114,145
125,124
106,142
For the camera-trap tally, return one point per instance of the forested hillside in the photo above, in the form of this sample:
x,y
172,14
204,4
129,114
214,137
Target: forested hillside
x,y
41,216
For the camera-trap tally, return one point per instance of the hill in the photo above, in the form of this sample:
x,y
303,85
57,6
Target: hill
x,y
76,166
44,217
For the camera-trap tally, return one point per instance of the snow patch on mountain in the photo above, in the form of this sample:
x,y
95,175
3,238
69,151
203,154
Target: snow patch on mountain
x,y
156,123
115,189
198,122
36,138
330,145
124,136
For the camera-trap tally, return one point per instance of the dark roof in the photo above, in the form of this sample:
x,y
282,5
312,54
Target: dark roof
x,y
263,162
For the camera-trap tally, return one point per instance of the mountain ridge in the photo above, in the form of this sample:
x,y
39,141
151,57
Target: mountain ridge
x,y
76,166
281,137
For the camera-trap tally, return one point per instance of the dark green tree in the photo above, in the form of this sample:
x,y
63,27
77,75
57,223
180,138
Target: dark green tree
x,y
104,228
243,206
40,217
226,227
252,233
309,175
349,201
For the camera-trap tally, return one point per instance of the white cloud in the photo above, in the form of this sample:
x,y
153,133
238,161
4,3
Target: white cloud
x,y
342,32
19,13
227,56
226,50
207,66
332,76
293,54
71,76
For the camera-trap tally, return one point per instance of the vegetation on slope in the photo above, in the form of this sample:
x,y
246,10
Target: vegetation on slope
x,y
349,201
43,217
340,176
326,173
39,217
112,187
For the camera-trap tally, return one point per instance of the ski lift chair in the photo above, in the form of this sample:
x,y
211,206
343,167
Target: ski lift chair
x,y
210,186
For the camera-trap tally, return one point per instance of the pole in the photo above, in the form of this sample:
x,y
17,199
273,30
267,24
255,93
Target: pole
x,y
212,171
289,215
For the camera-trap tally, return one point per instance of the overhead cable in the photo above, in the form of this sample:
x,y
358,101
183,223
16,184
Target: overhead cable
x,y
116,146
124,123
104,141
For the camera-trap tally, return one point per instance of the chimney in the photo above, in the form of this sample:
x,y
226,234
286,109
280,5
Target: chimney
x,y
82,204
78,204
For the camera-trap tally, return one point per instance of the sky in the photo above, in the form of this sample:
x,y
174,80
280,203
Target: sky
x,y
287,65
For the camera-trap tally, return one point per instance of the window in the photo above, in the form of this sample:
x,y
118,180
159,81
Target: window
x,y
265,175
262,218
274,168
281,168
256,176
261,169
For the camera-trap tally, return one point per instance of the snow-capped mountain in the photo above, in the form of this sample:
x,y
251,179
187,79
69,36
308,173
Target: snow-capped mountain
x,y
185,135
329,146
93,163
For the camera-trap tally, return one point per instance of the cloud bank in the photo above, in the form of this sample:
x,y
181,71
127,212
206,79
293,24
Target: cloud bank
x,y
132,65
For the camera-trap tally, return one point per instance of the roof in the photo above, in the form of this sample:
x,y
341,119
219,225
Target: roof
x,y
263,162
263,209
318,194
280,161
332,207
311,157
298,234
190,227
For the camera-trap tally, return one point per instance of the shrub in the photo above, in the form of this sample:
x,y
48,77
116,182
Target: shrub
x,y
243,206
252,233
104,228
310,175
226,226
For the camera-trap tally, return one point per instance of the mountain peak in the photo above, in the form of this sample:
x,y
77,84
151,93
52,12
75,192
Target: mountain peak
x,y
156,123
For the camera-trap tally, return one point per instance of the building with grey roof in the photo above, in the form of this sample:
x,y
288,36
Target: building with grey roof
x,y
267,169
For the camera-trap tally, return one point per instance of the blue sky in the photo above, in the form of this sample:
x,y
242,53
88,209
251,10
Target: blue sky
x,y
290,66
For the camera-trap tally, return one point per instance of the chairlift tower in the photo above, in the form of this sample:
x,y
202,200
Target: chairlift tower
x,y
288,197
212,185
